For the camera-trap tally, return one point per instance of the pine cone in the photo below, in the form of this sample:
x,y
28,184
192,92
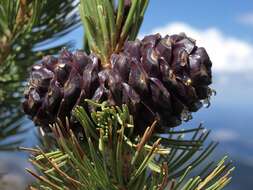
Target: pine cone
x,y
158,78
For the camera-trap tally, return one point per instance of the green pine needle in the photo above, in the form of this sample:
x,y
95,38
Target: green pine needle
x,y
109,158
108,28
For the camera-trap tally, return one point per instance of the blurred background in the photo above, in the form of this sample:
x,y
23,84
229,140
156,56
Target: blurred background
x,y
225,29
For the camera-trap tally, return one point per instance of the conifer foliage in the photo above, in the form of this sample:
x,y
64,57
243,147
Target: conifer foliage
x,y
112,109
27,28
110,159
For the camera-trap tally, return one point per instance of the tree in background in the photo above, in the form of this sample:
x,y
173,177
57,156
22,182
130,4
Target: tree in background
x,y
111,112
27,30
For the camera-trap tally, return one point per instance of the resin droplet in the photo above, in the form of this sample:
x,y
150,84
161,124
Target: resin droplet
x,y
206,103
211,92
186,115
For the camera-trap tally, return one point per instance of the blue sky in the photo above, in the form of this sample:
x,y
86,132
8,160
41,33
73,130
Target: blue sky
x,y
230,16
223,14
223,27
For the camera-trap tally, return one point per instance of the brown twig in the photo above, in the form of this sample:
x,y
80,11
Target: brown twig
x,y
165,176
43,179
147,134
21,16
33,150
62,173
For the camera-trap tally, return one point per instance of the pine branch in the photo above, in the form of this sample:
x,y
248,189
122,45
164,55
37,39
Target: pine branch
x,y
27,29
108,27
109,158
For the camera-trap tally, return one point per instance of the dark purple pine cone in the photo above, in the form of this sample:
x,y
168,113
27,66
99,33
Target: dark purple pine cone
x,y
175,75
158,78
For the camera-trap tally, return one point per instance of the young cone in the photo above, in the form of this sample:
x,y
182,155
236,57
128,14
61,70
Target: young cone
x,y
158,78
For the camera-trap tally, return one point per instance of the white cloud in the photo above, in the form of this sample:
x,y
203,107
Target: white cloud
x,y
228,54
225,135
246,18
